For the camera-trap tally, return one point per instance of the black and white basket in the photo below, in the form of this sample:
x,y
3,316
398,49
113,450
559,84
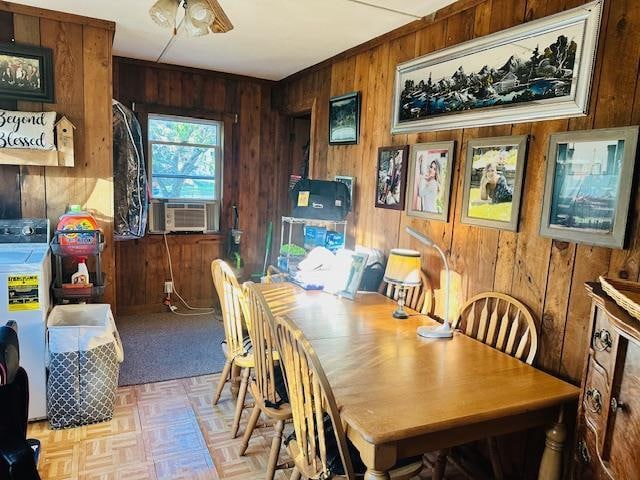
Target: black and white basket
x,y
84,356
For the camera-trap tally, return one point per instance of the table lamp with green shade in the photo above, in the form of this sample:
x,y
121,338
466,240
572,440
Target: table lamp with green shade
x,y
444,330
403,270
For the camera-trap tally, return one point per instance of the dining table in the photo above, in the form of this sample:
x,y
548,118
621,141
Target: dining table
x,y
402,395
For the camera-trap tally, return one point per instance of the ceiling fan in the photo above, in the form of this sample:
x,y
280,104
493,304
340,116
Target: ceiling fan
x,y
200,17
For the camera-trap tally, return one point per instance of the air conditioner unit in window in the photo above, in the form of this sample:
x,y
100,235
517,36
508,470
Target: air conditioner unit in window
x,y
183,216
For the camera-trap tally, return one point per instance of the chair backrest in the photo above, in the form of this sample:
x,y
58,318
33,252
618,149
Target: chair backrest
x,y
419,298
310,397
263,342
274,275
231,298
502,322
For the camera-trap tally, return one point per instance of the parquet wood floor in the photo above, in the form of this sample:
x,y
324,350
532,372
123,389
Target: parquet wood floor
x,y
167,430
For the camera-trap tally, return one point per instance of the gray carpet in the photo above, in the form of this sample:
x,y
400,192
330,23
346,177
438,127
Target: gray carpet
x,y
165,346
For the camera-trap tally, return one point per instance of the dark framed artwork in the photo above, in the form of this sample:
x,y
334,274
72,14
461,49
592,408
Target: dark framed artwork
x,y
344,119
391,176
535,71
26,73
429,180
493,182
588,186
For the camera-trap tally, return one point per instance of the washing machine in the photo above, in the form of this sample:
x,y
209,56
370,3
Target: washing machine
x,y
25,279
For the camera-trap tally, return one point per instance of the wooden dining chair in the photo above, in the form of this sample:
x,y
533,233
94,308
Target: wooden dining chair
x,y
267,382
313,406
419,298
506,324
236,347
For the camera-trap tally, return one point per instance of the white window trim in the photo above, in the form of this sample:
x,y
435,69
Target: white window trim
x,y
219,153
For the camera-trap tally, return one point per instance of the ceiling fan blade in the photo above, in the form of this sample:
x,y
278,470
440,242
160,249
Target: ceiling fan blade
x,y
221,22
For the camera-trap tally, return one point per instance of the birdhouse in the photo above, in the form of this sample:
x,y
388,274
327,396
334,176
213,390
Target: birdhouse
x,y
64,142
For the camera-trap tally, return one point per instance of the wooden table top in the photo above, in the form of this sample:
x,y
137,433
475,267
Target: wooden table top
x,y
392,384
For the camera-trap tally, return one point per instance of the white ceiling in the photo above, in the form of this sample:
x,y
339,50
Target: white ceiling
x,y
271,39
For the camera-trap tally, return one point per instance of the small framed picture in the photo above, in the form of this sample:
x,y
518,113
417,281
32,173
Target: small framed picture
x,y
588,186
493,182
391,176
344,119
350,182
26,73
347,273
429,181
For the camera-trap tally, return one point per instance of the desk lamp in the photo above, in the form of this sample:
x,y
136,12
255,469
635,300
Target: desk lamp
x,y
444,330
403,270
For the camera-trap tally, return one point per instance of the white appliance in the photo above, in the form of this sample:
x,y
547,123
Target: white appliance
x,y
191,216
25,278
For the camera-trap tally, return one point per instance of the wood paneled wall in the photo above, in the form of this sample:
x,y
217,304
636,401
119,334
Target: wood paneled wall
x,y
255,179
546,275
82,74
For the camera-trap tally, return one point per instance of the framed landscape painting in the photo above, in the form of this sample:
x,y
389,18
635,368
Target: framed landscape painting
x,y
588,186
391,175
344,119
26,73
538,70
493,182
429,182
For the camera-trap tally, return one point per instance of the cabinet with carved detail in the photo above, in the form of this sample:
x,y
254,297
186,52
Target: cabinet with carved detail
x,y
608,427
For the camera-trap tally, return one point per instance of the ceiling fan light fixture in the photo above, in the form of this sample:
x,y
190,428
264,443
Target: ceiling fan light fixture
x,y
200,12
195,29
163,12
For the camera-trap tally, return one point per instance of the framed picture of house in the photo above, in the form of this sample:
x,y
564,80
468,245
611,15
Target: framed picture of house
x,y
391,175
26,73
534,71
429,180
344,119
493,182
588,186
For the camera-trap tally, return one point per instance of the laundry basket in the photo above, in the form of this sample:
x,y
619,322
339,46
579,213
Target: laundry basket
x,y
84,356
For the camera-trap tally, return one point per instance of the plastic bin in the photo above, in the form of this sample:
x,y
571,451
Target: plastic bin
x,y
84,356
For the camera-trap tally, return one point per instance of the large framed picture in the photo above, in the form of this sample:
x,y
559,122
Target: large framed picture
x,y
535,71
493,182
429,182
26,73
588,186
344,119
391,176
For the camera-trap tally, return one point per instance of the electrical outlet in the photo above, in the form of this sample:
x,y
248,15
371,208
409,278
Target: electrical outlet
x,y
168,287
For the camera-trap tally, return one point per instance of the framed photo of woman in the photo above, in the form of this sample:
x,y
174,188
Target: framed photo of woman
x,y
391,176
589,186
429,182
493,182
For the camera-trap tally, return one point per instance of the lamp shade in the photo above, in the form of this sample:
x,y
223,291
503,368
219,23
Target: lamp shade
x,y
403,267
163,12
200,13
195,29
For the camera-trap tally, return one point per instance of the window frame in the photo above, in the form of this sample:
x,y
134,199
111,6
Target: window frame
x,y
218,149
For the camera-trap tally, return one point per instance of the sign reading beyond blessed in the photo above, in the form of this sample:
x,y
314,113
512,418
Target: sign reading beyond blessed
x,y
32,130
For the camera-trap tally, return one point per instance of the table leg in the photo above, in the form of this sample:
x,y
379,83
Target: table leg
x,y
551,464
376,475
235,380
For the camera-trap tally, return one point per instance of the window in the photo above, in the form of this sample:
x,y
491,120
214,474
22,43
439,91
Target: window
x,y
185,156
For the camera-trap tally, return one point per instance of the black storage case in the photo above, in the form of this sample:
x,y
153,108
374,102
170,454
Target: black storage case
x,y
326,200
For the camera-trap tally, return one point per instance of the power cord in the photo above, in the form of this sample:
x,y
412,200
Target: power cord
x,y
173,308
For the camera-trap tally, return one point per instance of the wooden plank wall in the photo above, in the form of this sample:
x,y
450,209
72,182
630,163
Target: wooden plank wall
x,y
547,275
82,74
254,179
